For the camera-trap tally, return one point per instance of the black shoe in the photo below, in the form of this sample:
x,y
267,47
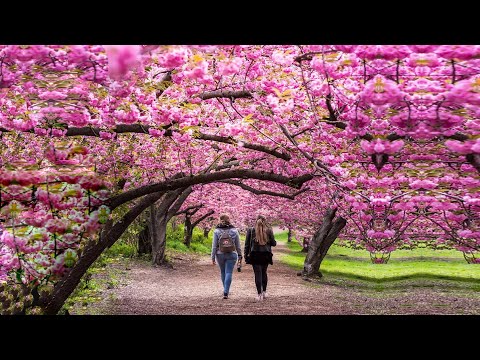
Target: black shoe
x,y
225,296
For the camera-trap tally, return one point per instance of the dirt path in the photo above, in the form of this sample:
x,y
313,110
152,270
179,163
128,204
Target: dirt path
x,y
194,287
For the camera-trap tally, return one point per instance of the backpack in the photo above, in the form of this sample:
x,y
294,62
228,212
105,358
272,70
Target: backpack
x,y
226,244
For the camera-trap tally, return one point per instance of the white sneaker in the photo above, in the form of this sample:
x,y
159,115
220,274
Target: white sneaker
x,y
259,297
264,294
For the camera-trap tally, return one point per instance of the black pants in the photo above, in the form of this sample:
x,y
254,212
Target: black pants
x,y
260,277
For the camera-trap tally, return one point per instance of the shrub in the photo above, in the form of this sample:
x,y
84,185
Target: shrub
x,y
121,249
198,237
177,245
200,248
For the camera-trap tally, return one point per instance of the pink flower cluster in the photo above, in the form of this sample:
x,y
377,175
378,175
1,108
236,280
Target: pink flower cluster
x,y
380,146
47,214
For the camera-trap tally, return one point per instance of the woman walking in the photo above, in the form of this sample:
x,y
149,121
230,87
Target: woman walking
x,y
258,253
226,250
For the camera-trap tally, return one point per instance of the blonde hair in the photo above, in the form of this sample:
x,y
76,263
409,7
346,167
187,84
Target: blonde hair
x,y
261,228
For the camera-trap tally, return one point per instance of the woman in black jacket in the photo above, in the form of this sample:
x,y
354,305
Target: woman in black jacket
x,y
258,253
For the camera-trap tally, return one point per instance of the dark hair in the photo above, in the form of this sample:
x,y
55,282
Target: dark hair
x,y
224,218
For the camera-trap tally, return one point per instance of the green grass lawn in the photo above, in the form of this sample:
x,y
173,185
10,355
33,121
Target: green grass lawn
x,y
403,264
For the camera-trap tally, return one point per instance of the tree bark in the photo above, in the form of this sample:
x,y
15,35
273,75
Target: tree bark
x,y
225,94
145,241
109,235
159,220
289,239
143,129
159,240
264,192
188,231
321,242
144,237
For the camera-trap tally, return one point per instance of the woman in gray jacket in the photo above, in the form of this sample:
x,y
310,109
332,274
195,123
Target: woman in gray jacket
x,y
226,250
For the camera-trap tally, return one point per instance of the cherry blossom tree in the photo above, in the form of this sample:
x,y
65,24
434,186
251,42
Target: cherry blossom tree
x,y
385,138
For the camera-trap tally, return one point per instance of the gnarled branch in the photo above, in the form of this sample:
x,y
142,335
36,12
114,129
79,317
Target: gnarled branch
x,y
264,192
173,184
143,129
191,210
256,147
229,94
210,212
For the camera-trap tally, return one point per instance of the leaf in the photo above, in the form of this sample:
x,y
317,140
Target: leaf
x,y
264,111
190,127
41,83
188,105
277,92
62,83
197,58
18,274
287,93
331,57
460,112
163,85
283,95
248,119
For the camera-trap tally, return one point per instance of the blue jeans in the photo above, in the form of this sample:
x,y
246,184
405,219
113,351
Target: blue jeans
x,y
226,262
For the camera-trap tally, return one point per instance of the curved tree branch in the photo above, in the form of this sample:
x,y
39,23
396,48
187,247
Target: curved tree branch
x,y
178,202
256,147
190,210
225,94
211,212
143,129
186,181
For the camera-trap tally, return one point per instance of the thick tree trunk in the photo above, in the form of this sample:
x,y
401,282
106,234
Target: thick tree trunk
x,y
169,206
321,242
159,240
145,239
188,231
289,235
